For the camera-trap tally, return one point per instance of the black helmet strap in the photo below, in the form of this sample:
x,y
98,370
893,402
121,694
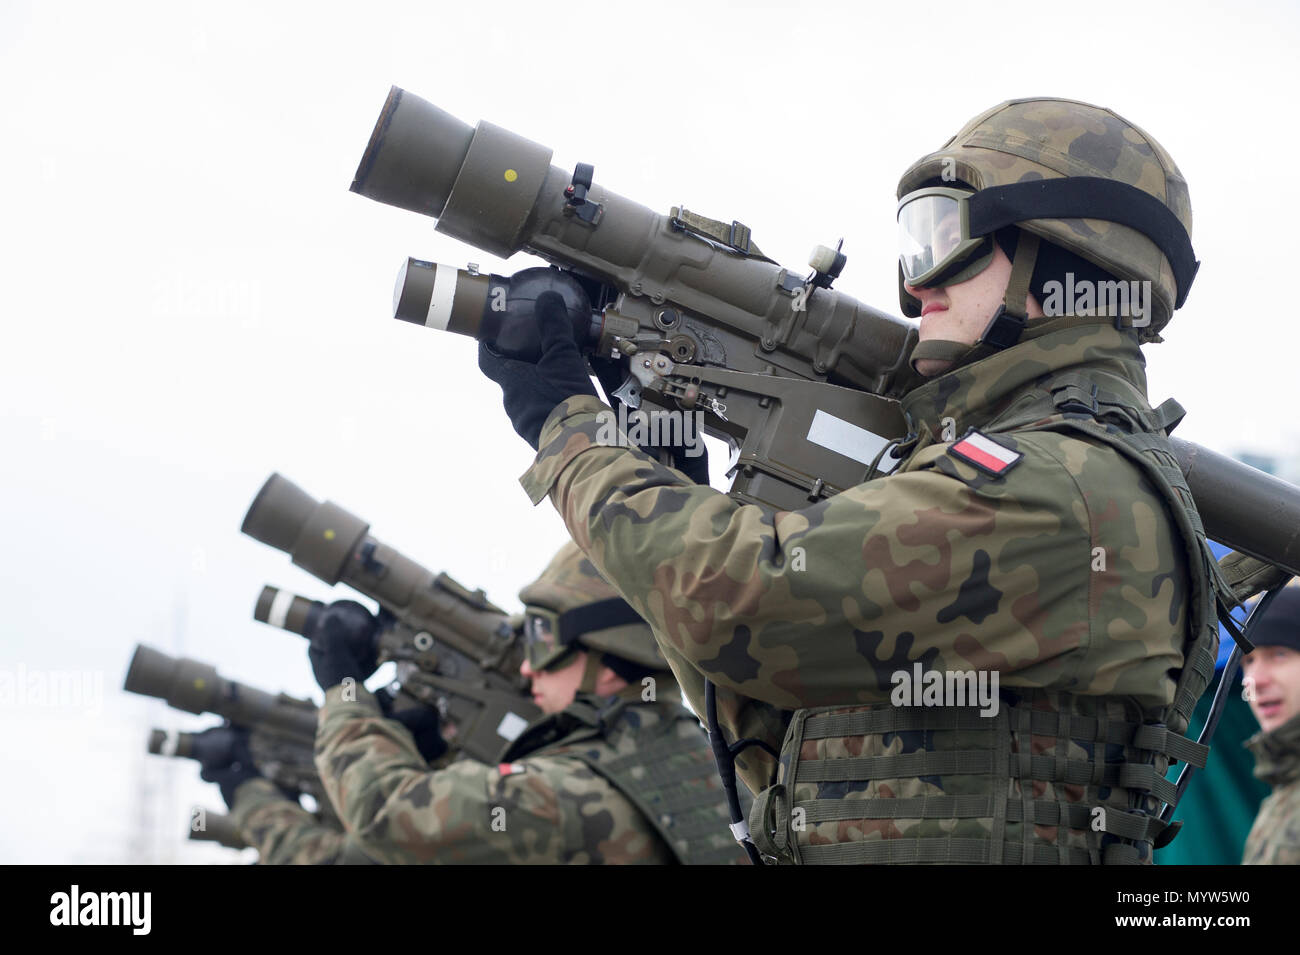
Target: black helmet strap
x,y
1008,323
1088,197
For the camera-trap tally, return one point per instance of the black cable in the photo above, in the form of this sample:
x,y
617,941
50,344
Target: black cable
x,y
726,761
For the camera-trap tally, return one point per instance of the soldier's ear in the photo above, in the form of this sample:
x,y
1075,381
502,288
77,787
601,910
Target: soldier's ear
x,y
608,682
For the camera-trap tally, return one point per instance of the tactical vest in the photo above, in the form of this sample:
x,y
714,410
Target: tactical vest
x,y
667,774
882,784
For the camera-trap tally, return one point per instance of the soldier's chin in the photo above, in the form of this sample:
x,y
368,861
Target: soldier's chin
x,y
1272,717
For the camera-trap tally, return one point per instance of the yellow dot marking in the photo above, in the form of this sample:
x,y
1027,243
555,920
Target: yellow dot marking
x,y
200,683
511,175
329,535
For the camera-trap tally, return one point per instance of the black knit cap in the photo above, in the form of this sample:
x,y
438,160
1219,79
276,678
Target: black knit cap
x,y
1280,625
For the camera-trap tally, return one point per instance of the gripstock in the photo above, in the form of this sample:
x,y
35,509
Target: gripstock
x,y
800,379
453,648
282,728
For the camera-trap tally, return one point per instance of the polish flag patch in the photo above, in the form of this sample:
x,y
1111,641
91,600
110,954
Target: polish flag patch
x,y
981,451
511,769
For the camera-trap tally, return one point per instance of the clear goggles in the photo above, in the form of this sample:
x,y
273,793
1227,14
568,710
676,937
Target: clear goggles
x,y
935,247
542,647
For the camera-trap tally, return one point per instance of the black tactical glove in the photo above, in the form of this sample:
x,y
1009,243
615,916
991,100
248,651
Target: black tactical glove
x,y
343,643
426,728
421,721
530,392
225,759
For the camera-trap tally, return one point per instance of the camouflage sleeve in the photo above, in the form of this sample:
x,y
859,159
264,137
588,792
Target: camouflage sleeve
x,y
740,716
537,810
282,831
821,606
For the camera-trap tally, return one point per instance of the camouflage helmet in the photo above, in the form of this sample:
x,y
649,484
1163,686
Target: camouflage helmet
x,y
1028,140
589,611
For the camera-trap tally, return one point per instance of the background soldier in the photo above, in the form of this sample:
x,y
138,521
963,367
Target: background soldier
x,y
1036,528
1272,678
617,772
273,822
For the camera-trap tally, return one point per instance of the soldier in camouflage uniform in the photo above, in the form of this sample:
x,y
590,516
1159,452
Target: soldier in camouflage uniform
x,y
617,772
1037,529
270,820
1272,678
283,832
263,814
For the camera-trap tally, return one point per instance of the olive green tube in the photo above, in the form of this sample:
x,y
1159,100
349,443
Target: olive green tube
x,y
498,191
453,648
442,297
196,687
1243,507
288,611
218,828
335,546
414,155
170,743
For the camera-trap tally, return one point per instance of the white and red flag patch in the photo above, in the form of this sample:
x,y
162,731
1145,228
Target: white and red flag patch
x,y
978,449
510,769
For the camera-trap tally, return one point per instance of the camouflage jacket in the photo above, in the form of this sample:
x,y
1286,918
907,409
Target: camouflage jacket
x,y
1065,572
1275,837
286,834
542,807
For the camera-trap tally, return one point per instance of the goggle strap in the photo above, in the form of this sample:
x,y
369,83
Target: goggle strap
x,y
1089,197
601,615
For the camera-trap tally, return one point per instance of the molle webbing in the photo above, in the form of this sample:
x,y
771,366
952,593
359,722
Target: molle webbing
x,y
956,852
1040,723
998,748
965,791
669,776
668,780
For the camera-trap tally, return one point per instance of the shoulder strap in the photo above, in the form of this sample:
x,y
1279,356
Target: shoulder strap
x,y
671,779
1093,406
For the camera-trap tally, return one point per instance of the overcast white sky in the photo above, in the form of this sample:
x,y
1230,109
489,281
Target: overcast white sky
x,y
192,299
